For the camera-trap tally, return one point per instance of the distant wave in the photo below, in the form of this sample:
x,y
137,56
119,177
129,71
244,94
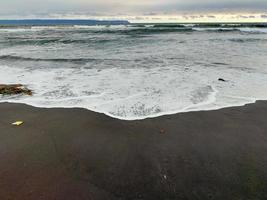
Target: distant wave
x,y
135,29
42,41
245,40
75,60
169,26
244,30
229,25
177,29
202,25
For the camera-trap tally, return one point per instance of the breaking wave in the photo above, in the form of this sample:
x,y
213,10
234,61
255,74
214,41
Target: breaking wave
x,y
146,29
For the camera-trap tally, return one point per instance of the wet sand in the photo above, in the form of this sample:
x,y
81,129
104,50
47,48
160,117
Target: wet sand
x,y
76,154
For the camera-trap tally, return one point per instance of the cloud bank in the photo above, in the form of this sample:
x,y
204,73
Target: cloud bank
x,y
188,9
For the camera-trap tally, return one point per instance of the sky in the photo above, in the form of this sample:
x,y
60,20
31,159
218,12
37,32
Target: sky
x,y
138,10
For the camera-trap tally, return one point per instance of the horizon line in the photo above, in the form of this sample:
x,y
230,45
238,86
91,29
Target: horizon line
x,y
125,20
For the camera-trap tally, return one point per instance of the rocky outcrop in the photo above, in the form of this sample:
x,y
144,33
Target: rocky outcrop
x,y
14,89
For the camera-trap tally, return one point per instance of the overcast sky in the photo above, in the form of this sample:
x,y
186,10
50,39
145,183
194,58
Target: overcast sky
x,y
48,8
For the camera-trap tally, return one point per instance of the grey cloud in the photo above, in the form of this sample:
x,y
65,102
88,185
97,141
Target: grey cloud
x,y
111,7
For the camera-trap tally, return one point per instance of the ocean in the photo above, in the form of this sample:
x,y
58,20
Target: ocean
x,y
136,71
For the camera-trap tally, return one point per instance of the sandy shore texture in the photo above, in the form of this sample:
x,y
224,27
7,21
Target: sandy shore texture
x,y
76,154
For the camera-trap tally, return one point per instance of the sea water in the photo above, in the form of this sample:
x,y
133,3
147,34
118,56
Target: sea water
x,y
135,71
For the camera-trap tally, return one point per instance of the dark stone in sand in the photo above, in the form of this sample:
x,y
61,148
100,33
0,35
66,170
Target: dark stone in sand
x,y
221,79
14,89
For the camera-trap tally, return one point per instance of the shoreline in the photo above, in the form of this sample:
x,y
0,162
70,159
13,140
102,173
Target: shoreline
x,y
77,154
141,118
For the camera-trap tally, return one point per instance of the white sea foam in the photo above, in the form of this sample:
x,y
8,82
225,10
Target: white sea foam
x,y
65,27
131,94
15,29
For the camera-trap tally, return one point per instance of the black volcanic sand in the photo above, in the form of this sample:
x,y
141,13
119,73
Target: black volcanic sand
x,y
75,154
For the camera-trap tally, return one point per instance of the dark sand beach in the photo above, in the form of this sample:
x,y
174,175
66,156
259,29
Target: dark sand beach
x,y
75,154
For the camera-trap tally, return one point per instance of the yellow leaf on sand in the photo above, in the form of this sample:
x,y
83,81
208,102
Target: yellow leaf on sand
x,y
17,123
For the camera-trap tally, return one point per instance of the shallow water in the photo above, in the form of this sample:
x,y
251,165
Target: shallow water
x,y
134,72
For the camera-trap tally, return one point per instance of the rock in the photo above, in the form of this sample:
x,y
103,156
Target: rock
x,y
162,131
221,79
14,89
